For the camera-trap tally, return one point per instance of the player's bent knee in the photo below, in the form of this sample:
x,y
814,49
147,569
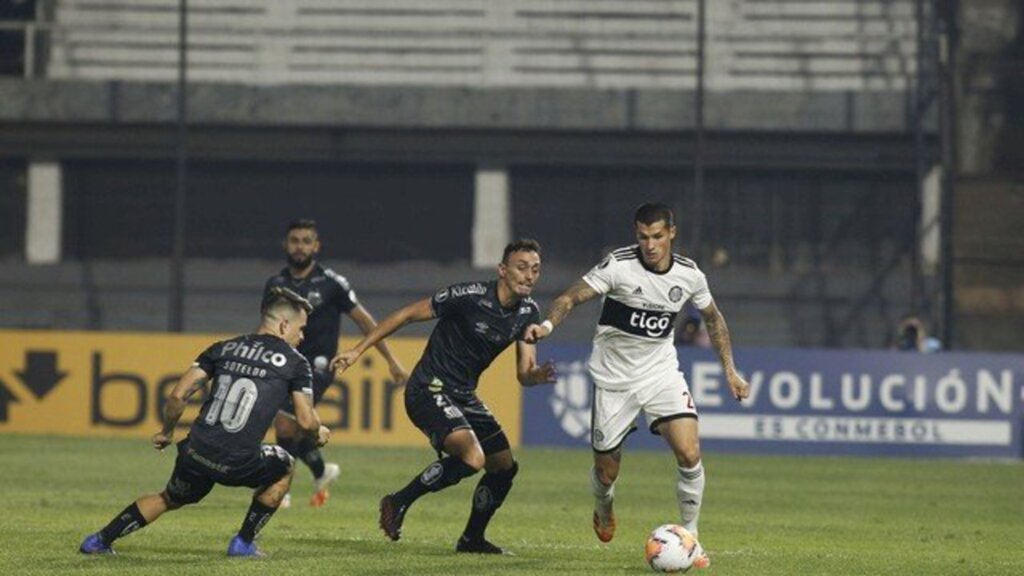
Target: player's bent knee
x,y
475,459
170,502
607,469
284,427
689,455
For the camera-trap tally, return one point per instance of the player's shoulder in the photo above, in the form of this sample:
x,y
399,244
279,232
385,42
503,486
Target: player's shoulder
x,y
333,276
279,279
684,262
528,305
463,290
625,254
619,257
291,354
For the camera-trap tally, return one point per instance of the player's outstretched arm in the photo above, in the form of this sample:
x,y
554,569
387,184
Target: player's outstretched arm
x,y
578,293
718,333
362,317
416,312
527,371
191,382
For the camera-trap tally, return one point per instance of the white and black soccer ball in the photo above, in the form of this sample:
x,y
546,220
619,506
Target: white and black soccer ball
x,y
672,548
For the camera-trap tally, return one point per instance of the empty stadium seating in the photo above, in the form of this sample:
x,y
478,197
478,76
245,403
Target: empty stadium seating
x,y
751,44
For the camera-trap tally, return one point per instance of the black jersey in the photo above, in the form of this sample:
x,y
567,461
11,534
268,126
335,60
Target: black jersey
x,y
473,329
331,296
251,377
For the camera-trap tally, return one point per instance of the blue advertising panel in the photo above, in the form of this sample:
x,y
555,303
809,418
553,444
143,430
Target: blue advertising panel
x,y
815,402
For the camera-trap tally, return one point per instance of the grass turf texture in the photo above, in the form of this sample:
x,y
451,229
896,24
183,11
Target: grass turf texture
x,y
762,515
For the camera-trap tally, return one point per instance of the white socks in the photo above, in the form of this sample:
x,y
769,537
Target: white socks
x,y
690,493
603,495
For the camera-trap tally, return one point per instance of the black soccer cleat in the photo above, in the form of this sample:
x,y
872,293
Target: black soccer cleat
x,y
392,514
480,546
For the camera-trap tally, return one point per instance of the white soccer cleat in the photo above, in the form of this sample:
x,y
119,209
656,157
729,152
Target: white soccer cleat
x,y
323,483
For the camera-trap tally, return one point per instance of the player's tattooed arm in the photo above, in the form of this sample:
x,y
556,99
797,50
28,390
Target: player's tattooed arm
x,y
718,333
576,294
191,382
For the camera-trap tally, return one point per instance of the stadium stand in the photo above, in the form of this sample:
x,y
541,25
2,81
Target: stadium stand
x,y
752,44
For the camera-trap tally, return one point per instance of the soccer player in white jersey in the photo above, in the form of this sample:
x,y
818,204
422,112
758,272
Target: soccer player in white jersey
x,y
634,364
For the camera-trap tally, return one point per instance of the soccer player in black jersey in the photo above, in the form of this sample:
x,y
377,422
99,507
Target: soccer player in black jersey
x,y
331,296
477,321
251,376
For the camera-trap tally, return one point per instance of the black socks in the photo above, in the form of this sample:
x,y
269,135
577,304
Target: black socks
x,y
129,520
257,516
489,495
446,472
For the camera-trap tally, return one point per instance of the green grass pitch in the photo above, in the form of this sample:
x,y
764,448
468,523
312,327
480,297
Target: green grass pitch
x,y
762,516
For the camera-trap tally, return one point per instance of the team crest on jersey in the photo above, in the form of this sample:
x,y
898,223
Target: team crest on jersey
x,y
675,294
315,298
441,296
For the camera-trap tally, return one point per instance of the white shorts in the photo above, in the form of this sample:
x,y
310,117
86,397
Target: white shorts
x,y
615,411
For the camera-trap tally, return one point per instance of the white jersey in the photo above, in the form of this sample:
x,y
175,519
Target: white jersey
x,y
634,339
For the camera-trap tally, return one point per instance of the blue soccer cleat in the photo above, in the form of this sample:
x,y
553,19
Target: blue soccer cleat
x,y
241,548
93,544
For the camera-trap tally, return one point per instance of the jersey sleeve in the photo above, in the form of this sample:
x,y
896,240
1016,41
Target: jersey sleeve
x,y
701,296
602,277
443,303
534,318
207,360
346,296
302,378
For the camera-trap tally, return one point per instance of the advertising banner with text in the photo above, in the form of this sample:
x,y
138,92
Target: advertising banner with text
x,y
816,402
116,384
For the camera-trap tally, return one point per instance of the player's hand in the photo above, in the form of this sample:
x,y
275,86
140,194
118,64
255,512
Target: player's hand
x,y
544,374
535,333
399,375
323,435
161,440
740,388
344,360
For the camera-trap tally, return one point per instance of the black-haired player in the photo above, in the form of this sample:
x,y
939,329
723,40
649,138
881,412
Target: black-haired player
x,y
477,321
331,296
252,375
634,364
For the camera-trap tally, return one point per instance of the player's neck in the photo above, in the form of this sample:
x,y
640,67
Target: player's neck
x,y
506,297
301,273
660,266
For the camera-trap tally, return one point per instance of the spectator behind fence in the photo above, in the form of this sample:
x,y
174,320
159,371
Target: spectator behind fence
x,y
912,336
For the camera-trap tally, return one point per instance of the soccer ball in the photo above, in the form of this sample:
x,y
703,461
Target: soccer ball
x,y
672,548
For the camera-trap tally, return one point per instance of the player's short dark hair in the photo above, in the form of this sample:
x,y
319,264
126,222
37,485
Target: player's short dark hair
x,y
302,224
281,297
652,212
520,245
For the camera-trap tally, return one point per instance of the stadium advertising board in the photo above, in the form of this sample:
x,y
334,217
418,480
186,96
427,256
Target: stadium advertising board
x,y
817,402
116,384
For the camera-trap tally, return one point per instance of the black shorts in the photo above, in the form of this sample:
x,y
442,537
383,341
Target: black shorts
x,y
437,415
322,380
194,475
